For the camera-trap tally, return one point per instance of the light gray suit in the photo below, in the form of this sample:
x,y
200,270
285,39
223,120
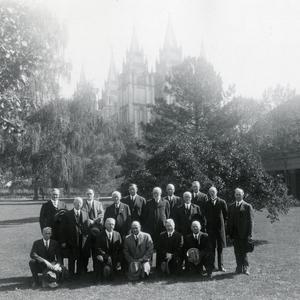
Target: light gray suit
x,y
139,251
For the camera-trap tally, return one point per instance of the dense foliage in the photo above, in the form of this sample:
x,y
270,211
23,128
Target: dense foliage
x,y
200,138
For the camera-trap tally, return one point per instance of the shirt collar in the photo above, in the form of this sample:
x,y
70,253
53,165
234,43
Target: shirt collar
x,y
108,233
239,202
76,211
45,242
171,233
54,202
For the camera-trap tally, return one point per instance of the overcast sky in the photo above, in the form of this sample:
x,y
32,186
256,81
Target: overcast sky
x,y
253,44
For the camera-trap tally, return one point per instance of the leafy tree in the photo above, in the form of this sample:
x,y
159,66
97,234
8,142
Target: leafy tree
x,y
213,146
31,61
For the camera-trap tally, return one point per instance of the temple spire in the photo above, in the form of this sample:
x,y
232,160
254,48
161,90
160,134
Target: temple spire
x,y
134,45
112,73
170,40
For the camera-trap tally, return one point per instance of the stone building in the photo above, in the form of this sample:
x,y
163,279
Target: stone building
x,y
128,96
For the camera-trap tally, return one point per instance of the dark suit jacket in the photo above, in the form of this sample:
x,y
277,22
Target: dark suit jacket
x,y
173,244
52,254
240,221
73,231
199,200
155,216
48,212
202,243
175,202
122,217
107,249
184,220
137,207
216,216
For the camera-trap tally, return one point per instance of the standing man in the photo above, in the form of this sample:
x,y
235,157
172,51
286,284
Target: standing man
x,y
174,201
108,248
135,202
216,217
198,198
45,254
138,250
240,228
48,212
187,213
95,212
170,249
157,211
121,213
74,235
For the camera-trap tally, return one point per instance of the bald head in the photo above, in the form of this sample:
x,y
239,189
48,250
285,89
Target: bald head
x,y
238,194
170,189
196,227
77,203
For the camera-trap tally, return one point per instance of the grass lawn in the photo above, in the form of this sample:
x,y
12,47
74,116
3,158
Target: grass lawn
x,y
274,266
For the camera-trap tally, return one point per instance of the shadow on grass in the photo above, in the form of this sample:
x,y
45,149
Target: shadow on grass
x,y
23,283
13,283
20,221
21,203
256,243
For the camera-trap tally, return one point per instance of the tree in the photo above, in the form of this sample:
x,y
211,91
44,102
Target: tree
x,y
213,146
31,61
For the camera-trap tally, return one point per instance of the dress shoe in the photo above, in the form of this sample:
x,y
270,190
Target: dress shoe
x,y
238,271
209,276
221,269
246,271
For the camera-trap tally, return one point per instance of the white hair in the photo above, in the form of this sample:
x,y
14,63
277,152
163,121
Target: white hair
x,y
78,199
157,189
116,193
170,221
110,220
187,194
56,190
196,223
46,228
137,223
240,190
213,188
171,185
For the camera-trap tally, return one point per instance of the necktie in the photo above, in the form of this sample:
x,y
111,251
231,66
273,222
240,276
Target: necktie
x,y
47,245
136,240
195,237
110,236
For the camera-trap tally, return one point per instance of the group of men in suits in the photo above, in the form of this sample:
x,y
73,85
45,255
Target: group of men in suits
x,y
184,232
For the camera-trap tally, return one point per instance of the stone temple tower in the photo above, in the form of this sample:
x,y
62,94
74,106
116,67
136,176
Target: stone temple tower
x,y
109,101
170,55
136,88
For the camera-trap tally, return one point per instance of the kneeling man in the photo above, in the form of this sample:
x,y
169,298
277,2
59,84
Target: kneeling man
x,y
108,249
197,250
138,250
46,259
170,249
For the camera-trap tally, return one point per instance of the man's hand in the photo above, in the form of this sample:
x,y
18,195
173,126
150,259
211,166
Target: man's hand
x,y
100,258
109,261
63,245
